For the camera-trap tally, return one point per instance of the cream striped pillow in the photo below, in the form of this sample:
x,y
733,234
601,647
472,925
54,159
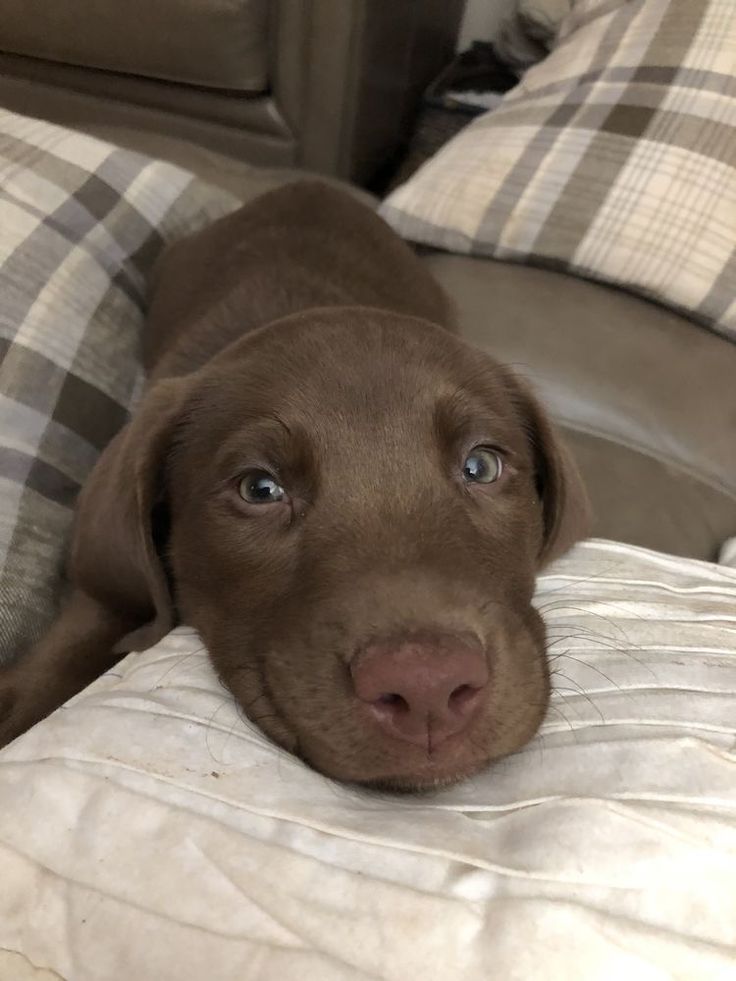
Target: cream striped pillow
x,y
615,158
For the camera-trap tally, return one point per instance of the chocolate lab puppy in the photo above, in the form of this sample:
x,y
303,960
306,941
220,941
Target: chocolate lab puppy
x,y
348,502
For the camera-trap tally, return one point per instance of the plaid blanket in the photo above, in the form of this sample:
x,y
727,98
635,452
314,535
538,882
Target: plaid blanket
x,y
81,222
615,158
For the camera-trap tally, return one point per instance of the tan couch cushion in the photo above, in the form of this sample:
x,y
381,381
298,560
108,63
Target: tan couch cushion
x,y
218,43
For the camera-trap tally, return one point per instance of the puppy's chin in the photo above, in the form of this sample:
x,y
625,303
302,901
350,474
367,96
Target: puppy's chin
x,y
413,784
414,779
423,780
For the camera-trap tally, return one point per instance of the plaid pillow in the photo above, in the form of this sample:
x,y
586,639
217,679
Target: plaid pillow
x,y
81,221
615,158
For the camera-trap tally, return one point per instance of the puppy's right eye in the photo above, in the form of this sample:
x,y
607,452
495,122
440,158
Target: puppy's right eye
x,y
259,487
482,466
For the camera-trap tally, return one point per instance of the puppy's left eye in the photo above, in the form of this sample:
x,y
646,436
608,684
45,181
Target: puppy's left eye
x,y
259,487
482,466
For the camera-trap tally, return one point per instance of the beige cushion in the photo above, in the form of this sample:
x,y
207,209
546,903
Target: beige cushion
x,y
219,43
614,158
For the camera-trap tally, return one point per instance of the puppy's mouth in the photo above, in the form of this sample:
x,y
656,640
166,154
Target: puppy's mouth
x,y
379,762
446,766
376,761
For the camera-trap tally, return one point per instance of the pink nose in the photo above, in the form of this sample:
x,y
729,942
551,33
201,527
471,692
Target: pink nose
x,y
424,687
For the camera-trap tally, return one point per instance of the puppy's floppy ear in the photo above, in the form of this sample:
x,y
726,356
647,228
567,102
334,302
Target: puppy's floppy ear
x,y
114,557
565,506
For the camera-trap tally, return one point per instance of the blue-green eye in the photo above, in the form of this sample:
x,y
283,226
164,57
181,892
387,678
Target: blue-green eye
x,y
259,487
482,466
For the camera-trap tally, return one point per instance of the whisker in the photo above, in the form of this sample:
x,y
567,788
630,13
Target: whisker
x,y
604,642
178,663
555,708
572,582
578,690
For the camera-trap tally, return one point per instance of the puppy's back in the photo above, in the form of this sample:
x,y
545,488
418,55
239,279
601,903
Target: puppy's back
x,y
301,246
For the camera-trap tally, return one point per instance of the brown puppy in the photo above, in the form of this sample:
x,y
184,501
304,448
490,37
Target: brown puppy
x,y
349,503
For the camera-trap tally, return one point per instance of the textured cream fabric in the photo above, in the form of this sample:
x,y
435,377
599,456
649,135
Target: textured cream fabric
x,y
614,158
146,832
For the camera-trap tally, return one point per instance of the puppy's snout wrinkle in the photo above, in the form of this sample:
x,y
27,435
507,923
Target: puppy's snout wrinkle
x,y
422,688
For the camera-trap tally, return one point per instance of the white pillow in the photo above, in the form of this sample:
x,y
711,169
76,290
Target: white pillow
x,y
615,158
147,832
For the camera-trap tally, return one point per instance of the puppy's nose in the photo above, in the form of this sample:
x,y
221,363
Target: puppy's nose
x,y
422,688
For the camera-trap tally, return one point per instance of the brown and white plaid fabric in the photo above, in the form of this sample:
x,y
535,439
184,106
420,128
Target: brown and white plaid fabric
x,y
615,158
81,222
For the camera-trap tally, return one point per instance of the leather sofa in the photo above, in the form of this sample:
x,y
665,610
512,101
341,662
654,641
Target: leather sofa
x,y
328,85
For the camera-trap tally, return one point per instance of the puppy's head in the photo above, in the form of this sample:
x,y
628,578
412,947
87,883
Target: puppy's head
x,y
350,507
